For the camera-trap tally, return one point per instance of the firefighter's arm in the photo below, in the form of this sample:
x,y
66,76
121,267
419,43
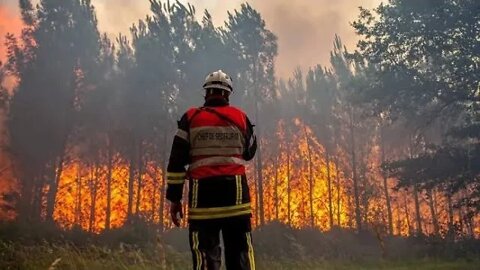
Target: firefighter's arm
x,y
251,142
179,156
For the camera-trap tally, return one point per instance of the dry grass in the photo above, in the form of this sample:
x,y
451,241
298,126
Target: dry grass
x,y
68,257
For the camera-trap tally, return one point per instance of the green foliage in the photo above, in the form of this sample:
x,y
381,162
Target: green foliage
x,y
423,71
255,48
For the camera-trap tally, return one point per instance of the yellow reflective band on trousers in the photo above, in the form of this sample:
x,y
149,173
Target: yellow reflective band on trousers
x,y
198,255
220,212
238,179
195,193
251,257
176,178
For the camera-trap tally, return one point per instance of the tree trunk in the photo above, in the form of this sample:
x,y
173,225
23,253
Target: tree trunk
x,y
337,178
310,180
407,215
385,185
288,188
417,211
93,197
29,206
461,226
431,204
276,187
260,187
259,162
139,175
451,225
34,206
52,191
154,195
78,200
356,193
163,184
388,205
470,226
365,196
329,186
109,185
418,218
337,175
131,180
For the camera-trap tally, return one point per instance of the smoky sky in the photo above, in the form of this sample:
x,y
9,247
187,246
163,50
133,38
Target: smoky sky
x,y
9,23
305,28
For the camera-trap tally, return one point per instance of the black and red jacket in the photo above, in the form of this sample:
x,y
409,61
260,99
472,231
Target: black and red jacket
x,y
215,141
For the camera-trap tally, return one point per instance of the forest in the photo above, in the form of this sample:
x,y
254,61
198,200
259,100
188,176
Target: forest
x,y
383,141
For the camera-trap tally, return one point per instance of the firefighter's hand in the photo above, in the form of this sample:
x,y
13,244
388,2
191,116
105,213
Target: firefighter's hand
x,y
175,212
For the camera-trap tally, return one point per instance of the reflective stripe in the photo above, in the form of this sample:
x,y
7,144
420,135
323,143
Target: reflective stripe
x,y
239,189
194,132
175,182
195,244
211,136
195,193
251,257
176,178
219,151
182,134
220,209
220,212
221,215
176,174
216,161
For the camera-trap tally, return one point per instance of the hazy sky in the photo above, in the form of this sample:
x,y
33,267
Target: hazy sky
x,y
305,28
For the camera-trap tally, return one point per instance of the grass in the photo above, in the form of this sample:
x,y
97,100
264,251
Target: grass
x,y
383,265
52,257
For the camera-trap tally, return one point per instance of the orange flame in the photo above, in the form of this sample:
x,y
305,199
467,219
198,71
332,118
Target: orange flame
x,y
294,173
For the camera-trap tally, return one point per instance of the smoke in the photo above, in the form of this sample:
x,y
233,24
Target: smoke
x,y
10,22
305,28
116,16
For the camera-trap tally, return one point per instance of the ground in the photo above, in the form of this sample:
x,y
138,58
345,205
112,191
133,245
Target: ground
x,y
69,257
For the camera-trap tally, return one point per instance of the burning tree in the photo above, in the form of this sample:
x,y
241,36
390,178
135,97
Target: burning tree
x,y
89,125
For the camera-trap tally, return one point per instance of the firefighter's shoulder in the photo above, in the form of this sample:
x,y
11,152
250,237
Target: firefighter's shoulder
x,y
183,123
190,112
237,109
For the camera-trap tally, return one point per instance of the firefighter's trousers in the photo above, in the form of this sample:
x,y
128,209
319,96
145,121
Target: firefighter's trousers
x,y
205,243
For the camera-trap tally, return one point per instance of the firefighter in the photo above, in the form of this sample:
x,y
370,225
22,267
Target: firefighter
x,y
215,141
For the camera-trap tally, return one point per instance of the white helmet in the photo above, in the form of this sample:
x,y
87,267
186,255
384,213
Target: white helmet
x,y
220,80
